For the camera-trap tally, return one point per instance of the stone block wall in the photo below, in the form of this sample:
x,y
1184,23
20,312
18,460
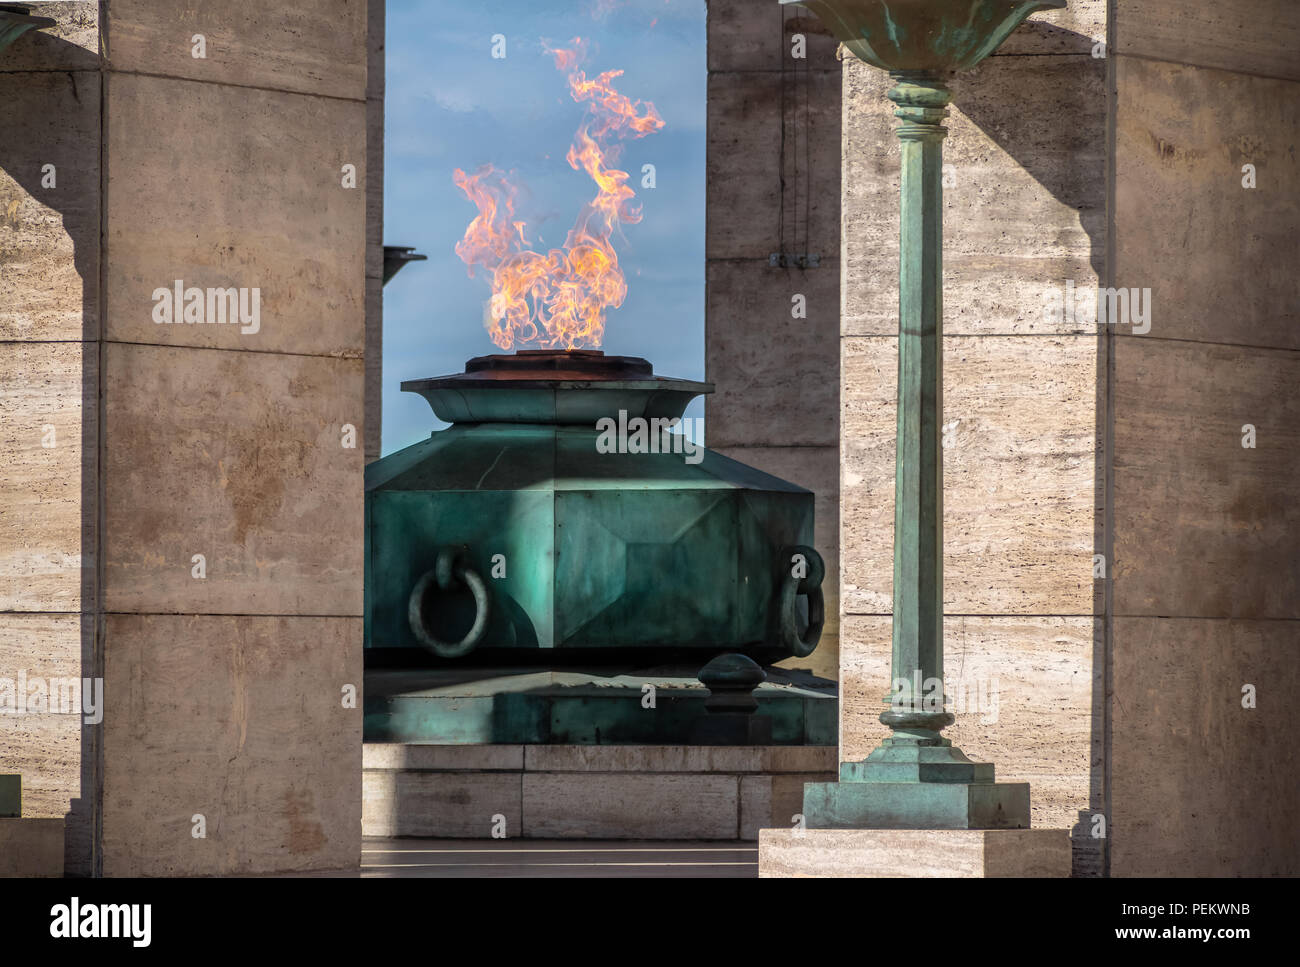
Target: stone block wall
x,y
51,323
773,189
374,228
222,691
1206,531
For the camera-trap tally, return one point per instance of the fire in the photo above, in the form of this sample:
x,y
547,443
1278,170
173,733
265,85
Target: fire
x,y
558,300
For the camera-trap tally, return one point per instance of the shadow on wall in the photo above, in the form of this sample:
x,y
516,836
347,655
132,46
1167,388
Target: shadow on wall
x,y
53,118
1056,131
1052,128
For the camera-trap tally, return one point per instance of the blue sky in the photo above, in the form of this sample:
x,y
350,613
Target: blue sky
x,y
450,104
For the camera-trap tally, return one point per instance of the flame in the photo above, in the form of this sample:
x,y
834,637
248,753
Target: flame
x,y
558,299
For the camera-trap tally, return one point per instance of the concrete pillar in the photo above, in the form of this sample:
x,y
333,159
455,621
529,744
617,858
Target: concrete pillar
x,y
50,327
223,692
374,229
773,189
1206,547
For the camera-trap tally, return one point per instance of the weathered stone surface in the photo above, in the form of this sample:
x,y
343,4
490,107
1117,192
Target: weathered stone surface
x,y
1020,472
1252,36
374,181
678,758
49,236
374,171
255,200
1209,250
44,747
31,847
913,853
1026,693
376,22
71,44
774,188
458,758
237,719
572,792
372,431
1187,491
244,465
46,492
774,801
1072,30
455,805
629,806
751,213
375,229
1201,785
746,37
774,374
1024,198
312,46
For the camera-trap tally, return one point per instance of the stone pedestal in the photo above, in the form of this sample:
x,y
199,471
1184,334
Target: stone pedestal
x,y
632,792
917,805
914,852
903,785
131,452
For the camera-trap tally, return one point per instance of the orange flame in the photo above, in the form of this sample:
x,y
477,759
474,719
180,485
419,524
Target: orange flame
x,y
558,300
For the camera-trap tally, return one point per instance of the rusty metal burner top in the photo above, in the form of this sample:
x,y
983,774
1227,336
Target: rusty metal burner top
x,y
554,386
572,364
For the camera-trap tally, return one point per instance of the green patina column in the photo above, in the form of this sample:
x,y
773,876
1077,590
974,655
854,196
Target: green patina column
x,y
918,481
917,779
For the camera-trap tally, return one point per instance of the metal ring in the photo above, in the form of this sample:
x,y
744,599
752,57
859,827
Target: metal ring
x,y
801,646
450,563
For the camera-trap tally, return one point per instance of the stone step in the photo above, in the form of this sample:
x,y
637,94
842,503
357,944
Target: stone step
x,y
974,853
643,792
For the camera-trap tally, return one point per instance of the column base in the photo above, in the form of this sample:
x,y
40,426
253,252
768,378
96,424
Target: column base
x,y
916,805
966,853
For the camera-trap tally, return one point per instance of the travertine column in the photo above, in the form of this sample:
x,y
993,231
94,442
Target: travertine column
x,y
50,323
1024,198
1206,547
212,145
374,229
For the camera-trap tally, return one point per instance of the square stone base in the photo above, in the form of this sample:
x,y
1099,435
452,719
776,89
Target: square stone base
x,y
916,805
914,852
31,847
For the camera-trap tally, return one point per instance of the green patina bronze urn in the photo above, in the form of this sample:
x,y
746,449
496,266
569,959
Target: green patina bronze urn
x,y
561,515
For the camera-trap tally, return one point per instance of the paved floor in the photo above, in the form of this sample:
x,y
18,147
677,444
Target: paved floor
x,y
412,858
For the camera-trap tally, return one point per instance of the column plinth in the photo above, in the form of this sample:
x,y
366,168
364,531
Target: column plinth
x,y
916,778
